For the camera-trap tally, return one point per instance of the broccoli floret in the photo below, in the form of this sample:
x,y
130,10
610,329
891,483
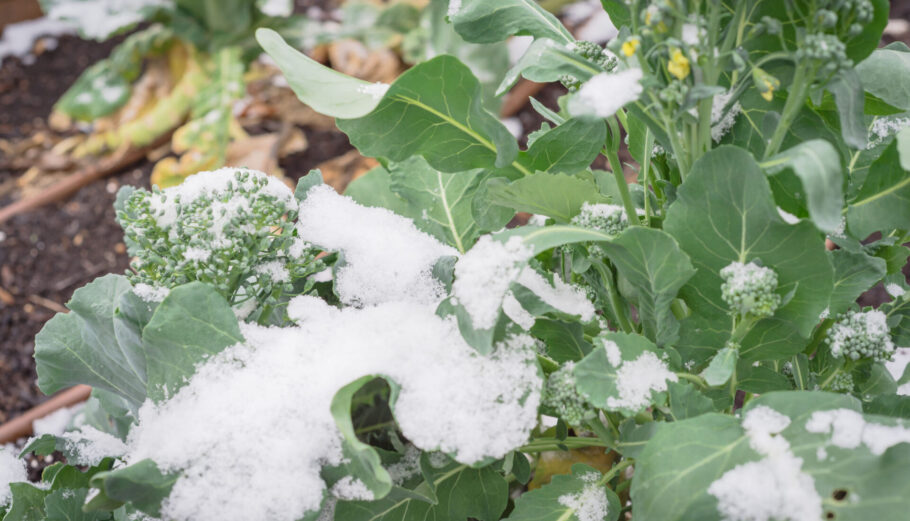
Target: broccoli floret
x,y
858,335
749,289
608,218
563,397
596,54
827,51
841,383
232,229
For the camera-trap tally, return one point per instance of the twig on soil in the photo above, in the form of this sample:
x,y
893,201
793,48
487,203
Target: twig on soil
x,y
518,97
21,426
48,303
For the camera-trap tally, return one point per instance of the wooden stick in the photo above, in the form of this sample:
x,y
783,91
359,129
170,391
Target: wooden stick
x,y
518,97
74,182
21,426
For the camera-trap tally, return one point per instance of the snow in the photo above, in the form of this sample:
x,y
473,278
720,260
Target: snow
x,y
454,7
350,488
895,290
869,328
884,127
606,93
614,356
636,380
278,386
591,503
150,293
19,38
376,90
275,270
12,470
788,217
407,468
513,309
849,430
88,446
723,120
773,488
277,7
197,254
566,298
56,422
98,19
386,257
483,276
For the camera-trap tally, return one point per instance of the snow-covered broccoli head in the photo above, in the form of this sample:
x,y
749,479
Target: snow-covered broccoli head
x,y
563,397
231,228
607,218
858,335
749,289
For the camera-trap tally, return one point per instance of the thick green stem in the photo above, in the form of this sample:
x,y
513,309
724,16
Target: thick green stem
x,y
646,173
619,311
797,97
818,336
602,432
572,442
612,153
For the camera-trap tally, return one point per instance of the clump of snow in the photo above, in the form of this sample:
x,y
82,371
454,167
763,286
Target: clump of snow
x,y
483,276
375,90
564,297
896,367
88,446
407,467
849,430
386,257
197,254
636,380
606,93
591,503
98,19
773,488
895,290
278,386
788,217
150,293
884,127
19,38
614,356
454,7
56,422
514,310
12,470
723,117
350,488
276,270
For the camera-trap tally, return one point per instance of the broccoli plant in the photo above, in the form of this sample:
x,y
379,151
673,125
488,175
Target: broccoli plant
x,y
199,50
690,315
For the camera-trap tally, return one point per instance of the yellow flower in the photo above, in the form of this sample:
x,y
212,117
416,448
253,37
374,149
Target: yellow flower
x,y
765,83
679,64
630,46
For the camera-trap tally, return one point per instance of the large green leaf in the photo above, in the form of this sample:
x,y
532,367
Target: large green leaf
x,y
327,91
435,110
607,384
66,505
555,195
361,460
192,323
677,467
484,21
27,503
552,502
81,347
441,203
565,341
817,164
886,75
854,273
883,202
850,99
568,148
141,484
898,313
654,265
725,213
547,60
687,402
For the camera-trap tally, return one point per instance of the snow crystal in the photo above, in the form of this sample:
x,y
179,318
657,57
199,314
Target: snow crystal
x,y
19,38
788,217
88,446
12,470
386,257
538,220
636,380
483,276
514,310
722,121
773,488
56,422
276,270
849,430
376,90
614,356
307,307
690,34
97,19
350,488
278,386
884,127
895,290
197,254
150,293
407,467
606,93
454,7
564,297
591,503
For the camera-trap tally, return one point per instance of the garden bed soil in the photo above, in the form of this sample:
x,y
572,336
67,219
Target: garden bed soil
x,y
48,253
